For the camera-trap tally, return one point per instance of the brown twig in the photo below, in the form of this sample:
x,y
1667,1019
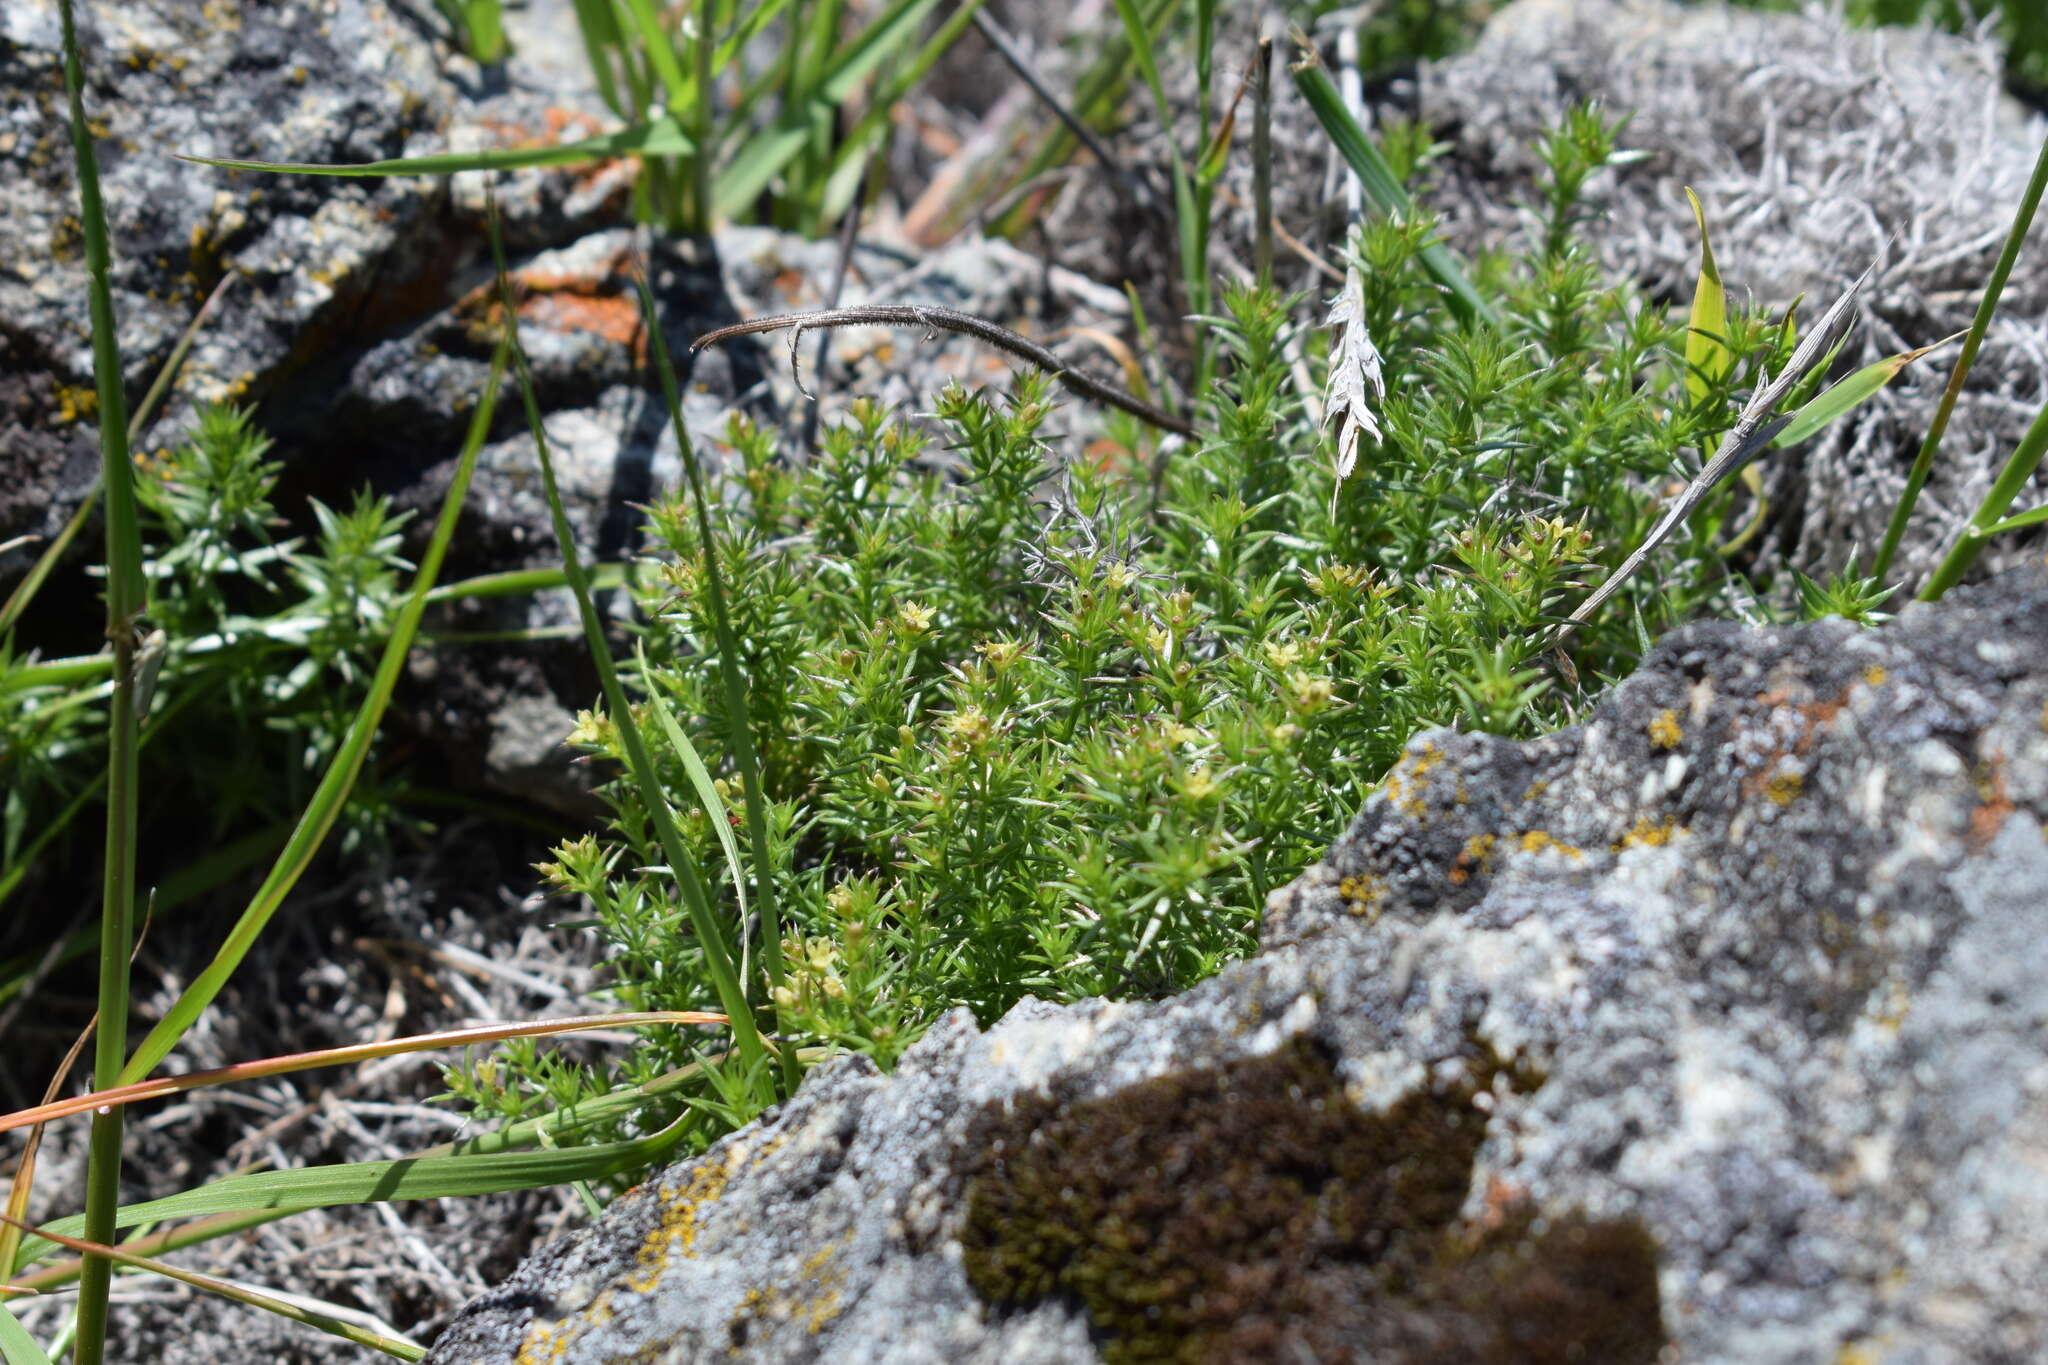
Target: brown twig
x,y
935,319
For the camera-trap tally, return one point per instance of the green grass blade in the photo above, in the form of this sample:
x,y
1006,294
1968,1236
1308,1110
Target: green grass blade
x,y
17,1347
2005,490
311,1317
375,1182
2033,517
850,158
524,1134
1841,398
1707,357
599,28
740,735
700,780
126,600
1381,187
661,55
764,156
1923,463
662,137
524,582
713,941
325,806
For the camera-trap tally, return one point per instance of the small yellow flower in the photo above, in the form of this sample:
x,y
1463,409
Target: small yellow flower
x,y
1001,654
1311,693
970,725
914,618
593,730
1283,654
1198,785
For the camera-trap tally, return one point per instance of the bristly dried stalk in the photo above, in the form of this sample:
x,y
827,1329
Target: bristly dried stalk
x,y
1354,370
933,320
1750,434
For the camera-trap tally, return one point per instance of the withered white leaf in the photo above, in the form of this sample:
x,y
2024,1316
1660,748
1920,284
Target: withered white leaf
x,y
1354,369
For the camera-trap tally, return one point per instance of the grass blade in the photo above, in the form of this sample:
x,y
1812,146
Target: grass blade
x,y
376,1182
1841,398
712,938
17,1347
126,601
1707,357
2019,468
740,735
1923,463
700,781
325,805
2029,518
764,156
1381,187
333,1326
661,137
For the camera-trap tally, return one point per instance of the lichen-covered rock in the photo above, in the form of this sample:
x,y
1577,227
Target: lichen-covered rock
x,y
1817,150
313,259
1718,1022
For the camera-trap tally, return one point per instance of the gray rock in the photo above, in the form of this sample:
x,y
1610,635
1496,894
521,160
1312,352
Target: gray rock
x,y
314,260
1714,1023
1816,151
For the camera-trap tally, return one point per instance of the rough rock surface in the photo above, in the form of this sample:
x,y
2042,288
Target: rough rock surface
x,y
314,260
1816,150
1714,1022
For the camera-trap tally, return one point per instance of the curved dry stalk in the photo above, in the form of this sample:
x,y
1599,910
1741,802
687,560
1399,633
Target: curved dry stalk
x,y
934,319
1753,430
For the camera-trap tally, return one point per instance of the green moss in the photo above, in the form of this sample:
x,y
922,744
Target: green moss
x,y
1251,1212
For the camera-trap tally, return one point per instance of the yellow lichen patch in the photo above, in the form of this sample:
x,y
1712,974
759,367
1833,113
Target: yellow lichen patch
x,y
1476,856
1784,788
545,1343
1363,894
1406,784
1650,835
1664,730
682,1209
76,404
1536,841
1874,676
814,1299
1537,789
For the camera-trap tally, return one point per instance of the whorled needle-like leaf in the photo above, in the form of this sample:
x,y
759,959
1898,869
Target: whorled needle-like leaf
x,y
1707,355
1355,382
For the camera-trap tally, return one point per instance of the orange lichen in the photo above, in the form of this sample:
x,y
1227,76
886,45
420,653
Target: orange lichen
x,y
1664,730
1476,856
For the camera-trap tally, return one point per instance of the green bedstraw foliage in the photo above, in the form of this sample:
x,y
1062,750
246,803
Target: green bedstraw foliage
x,y
1027,731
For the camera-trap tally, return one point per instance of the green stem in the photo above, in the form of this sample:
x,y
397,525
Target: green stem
x,y
125,598
2025,459
1924,461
